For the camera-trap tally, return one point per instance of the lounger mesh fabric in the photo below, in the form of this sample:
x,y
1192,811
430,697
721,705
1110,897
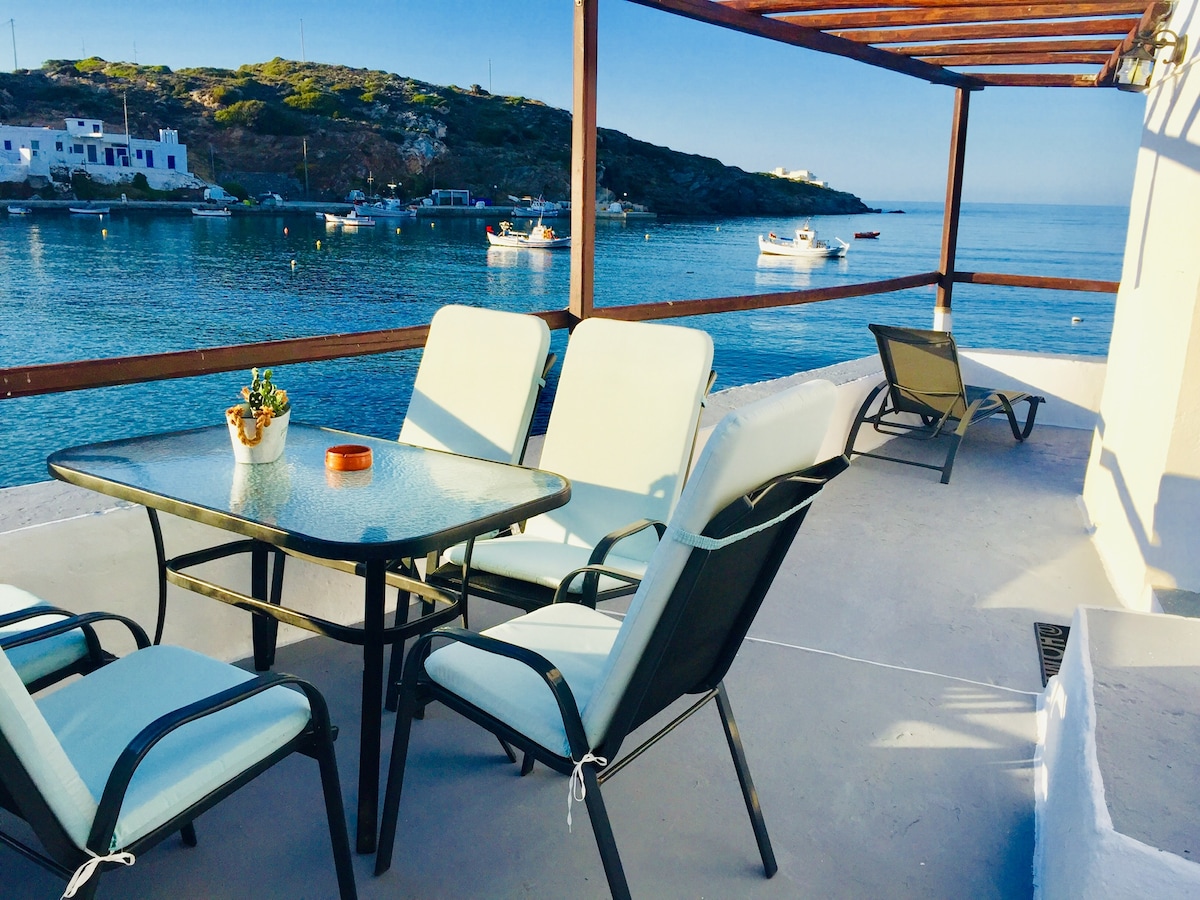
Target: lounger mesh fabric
x,y
596,654
622,430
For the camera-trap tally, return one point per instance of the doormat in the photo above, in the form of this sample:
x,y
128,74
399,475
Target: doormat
x,y
1051,643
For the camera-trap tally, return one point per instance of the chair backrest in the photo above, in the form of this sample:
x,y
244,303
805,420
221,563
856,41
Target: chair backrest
x,y
622,428
477,383
35,772
922,371
693,606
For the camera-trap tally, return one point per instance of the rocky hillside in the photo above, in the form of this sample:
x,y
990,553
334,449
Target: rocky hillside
x,y
256,126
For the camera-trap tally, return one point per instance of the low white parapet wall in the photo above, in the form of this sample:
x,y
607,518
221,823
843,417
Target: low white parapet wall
x,y
1117,780
84,551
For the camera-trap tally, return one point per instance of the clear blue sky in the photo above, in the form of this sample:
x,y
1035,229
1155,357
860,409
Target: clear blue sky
x,y
696,88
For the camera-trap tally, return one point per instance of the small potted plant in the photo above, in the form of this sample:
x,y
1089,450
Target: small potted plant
x,y
258,425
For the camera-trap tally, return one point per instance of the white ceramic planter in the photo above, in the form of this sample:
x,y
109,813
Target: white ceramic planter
x,y
269,449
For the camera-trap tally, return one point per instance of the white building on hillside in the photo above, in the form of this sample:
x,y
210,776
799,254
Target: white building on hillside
x,y
798,175
30,151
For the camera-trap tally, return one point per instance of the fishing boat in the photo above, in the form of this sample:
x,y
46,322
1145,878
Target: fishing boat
x,y
385,209
805,243
218,213
866,235
534,208
88,210
352,218
20,211
539,237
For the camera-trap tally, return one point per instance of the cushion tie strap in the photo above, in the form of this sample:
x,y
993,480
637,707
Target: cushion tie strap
x,y
701,542
576,789
89,867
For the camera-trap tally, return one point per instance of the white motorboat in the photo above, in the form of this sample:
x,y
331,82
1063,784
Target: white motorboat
x,y
539,237
535,208
216,213
20,211
88,210
352,218
804,243
385,209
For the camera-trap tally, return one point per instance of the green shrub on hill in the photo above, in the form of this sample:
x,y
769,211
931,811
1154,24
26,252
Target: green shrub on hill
x,y
260,117
315,102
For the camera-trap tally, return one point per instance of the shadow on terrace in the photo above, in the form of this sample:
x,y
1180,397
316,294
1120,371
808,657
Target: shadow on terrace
x,y
886,698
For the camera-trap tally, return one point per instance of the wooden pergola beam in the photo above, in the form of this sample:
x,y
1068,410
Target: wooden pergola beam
x,y
1022,59
583,160
992,30
996,47
782,7
964,14
797,36
1041,79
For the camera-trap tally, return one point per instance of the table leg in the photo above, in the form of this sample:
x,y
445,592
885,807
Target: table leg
x,y
372,703
264,630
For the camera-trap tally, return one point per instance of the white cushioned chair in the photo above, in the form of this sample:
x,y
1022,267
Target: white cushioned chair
x,y
622,429
567,684
110,764
74,651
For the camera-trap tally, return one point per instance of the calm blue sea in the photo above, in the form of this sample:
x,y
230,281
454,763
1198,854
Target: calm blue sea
x,y
152,283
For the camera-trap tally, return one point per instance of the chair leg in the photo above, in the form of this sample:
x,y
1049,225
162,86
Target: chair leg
x,y
188,834
955,440
403,599
1020,433
860,418
749,794
395,780
605,842
527,763
338,834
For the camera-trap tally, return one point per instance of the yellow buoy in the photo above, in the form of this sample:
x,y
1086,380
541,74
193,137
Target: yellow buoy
x,y
397,231
293,264
433,224
104,232
647,237
318,245
285,230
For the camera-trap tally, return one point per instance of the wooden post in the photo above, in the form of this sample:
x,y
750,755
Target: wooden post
x,y
954,180
583,161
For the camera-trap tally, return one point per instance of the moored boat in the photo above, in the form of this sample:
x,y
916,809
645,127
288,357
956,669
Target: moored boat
x,y
535,208
539,237
804,243
385,209
88,210
216,213
866,235
352,218
20,211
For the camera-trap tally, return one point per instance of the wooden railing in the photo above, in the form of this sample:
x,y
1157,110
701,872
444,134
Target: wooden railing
x,y
53,378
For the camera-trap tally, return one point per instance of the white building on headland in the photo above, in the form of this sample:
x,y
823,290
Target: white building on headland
x,y
33,152
798,175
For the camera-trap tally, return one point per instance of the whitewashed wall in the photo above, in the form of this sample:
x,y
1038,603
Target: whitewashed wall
x,y
1143,482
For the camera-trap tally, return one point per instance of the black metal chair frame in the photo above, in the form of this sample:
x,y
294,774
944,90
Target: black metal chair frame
x,y
705,619
20,796
956,406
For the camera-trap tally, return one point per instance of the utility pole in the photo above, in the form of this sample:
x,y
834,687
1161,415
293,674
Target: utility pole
x,y
305,140
302,59
12,23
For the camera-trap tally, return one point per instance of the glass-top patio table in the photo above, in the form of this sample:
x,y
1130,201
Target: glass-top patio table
x,y
411,501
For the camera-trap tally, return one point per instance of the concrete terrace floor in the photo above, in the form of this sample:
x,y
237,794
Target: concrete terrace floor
x,y
886,698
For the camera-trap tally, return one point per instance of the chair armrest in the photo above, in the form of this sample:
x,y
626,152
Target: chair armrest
x,y
32,612
605,544
135,751
561,691
70,624
561,593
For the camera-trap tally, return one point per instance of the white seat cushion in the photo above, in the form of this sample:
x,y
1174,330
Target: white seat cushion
x,y
95,717
541,562
33,661
575,638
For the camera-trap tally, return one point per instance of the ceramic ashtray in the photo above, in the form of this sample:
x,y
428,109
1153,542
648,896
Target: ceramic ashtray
x,y
348,458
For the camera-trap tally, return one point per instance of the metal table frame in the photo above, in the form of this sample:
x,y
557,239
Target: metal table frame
x,y
376,561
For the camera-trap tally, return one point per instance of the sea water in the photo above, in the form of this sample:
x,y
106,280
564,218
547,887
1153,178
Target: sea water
x,y
74,288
